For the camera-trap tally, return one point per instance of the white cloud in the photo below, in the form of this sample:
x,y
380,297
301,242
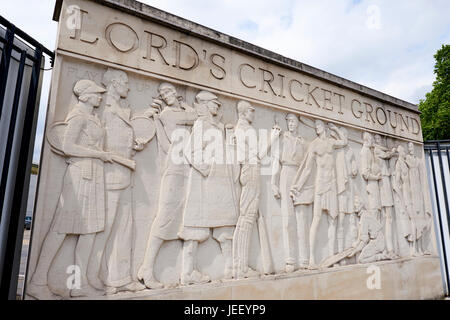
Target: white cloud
x,y
396,57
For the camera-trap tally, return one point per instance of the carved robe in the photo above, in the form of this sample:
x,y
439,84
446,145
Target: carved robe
x,y
211,199
345,164
81,205
381,157
368,170
174,178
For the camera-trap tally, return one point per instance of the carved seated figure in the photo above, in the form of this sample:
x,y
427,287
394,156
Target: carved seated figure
x,y
371,242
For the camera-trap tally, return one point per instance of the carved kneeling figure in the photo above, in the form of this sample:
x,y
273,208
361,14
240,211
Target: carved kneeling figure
x,y
371,242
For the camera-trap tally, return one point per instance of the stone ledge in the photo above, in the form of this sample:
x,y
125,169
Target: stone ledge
x,y
418,278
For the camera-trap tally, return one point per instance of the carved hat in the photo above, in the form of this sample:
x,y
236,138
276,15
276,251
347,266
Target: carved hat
x,y
83,87
207,96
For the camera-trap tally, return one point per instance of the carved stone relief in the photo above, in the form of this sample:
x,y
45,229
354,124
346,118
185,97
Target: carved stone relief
x,y
159,180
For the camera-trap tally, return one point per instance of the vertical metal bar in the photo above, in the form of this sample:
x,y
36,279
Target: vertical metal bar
x,y
441,229
4,65
11,132
22,160
443,181
448,157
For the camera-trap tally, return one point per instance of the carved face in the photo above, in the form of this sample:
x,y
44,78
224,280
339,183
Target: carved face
x,y
122,87
169,96
378,139
95,100
213,107
401,151
411,148
319,128
250,115
368,139
292,124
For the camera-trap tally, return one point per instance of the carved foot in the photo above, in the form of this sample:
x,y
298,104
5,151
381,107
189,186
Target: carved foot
x,y
391,255
289,268
228,274
303,265
194,278
110,290
41,292
152,283
313,266
86,291
133,286
249,274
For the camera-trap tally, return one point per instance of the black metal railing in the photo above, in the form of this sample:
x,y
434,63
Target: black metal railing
x,y
437,154
21,64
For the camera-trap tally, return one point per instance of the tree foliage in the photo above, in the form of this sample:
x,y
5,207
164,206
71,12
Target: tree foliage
x,y
435,108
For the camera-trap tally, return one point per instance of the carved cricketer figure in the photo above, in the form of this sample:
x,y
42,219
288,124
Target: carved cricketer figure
x,y
320,156
295,218
249,157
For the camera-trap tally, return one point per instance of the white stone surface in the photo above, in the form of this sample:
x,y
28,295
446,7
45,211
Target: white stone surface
x,y
172,161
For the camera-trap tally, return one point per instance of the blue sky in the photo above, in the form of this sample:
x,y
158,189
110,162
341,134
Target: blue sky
x,y
385,45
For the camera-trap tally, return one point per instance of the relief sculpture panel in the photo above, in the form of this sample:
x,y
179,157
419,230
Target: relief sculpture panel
x,y
152,180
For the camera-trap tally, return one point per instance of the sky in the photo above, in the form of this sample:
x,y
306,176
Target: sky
x,y
385,45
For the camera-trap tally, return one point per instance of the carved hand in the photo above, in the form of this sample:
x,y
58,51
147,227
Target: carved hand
x,y
139,144
276,130
150,112
276,191
106,157
332,126
157,104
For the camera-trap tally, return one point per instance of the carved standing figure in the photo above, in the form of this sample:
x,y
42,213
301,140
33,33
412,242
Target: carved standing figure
x,y
81,206
418,184
381,157
110,264
295,219
346,172
176,116
371,174
249,157
211,201
403,195
320,156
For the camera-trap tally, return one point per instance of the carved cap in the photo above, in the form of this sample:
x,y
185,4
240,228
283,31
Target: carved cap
x,y
243,106
207,96
83,87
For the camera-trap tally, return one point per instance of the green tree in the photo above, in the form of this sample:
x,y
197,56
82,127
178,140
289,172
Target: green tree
x,y
435,108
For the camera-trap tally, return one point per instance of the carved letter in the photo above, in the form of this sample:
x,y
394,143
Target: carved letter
x,y
369,110
122,37
418,125
327,99
341,101
290,90
268,81
78,31
403,122
282,86
240,75
220,69
310,92
158,48
178,48
390,119
384,115
358,111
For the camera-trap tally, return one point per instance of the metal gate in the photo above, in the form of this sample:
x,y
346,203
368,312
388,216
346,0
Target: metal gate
x,y
437,156
20,84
